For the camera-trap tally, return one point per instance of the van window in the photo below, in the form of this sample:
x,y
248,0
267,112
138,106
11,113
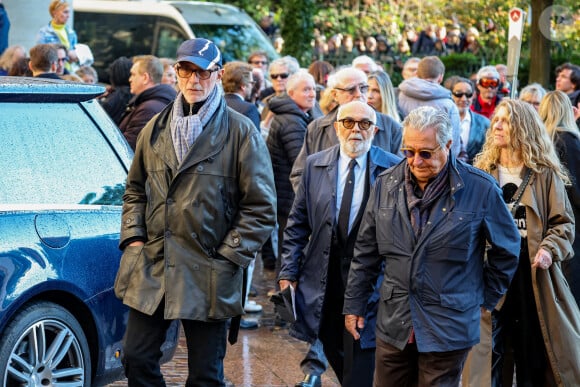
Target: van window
x,y
113,35
236,42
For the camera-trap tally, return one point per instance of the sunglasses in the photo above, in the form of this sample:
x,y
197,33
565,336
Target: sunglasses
x,y
487,83
65,59
363,125
425,154
279,76
459,95
351,90
185,72
259,62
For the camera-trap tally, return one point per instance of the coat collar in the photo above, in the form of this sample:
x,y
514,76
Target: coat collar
x,y
209,143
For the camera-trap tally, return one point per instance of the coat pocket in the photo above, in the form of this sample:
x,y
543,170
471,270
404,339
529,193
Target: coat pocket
x,y
225,291
129,259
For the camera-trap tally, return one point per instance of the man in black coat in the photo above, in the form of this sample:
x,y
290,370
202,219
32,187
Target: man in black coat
x,y
150,96
292,114
237,83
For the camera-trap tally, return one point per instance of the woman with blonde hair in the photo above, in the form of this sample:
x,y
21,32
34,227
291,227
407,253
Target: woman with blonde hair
x,y
381,95
58,32
538,316
556,112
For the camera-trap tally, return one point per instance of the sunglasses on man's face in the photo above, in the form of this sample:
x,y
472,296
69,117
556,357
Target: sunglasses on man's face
x,y
349,123
351,90
259,62
489,82
425,154
279,76
458,94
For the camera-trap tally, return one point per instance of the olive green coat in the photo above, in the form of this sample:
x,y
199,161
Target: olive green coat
x,y
203,221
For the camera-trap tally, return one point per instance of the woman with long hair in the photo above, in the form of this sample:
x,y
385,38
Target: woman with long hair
x,y
539,319
556,112
381,95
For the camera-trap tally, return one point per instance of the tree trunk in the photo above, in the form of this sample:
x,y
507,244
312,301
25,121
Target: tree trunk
x,y
540,46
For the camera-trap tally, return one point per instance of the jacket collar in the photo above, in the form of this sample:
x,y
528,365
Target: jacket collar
x,y
208,144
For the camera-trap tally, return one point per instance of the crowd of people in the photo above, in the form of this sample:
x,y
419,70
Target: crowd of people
x,y
427,228
433,39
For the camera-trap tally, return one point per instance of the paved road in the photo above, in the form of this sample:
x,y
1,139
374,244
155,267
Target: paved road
x,y
267,356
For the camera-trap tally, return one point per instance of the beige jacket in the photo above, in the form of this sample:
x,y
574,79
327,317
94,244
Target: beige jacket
x,y
550,225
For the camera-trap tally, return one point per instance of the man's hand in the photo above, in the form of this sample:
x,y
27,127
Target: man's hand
x,y
353,323
136,243
543,260
285,283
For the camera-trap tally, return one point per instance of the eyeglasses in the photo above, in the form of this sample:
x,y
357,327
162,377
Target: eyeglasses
x,y
281,76
259,62
487,83
351,90
363,125
459,95
425,154
185,72
65,59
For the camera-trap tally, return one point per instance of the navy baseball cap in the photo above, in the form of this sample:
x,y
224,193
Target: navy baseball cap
x,y
201,52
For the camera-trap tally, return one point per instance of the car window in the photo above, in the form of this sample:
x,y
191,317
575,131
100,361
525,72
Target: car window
x,y
54,154
235,41
113,35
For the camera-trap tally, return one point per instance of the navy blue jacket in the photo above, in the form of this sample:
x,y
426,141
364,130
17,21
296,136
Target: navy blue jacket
x,y
436,283
308,238
477,132
245,108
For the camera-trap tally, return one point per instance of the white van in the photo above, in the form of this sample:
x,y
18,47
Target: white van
x,y
127,28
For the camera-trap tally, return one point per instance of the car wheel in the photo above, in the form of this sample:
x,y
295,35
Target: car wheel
x,y
44,345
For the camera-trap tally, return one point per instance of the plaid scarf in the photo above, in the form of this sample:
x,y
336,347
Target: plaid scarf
x,y
419,208
185,130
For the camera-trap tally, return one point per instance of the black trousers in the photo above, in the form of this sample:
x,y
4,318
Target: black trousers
x,y
206,349
359,363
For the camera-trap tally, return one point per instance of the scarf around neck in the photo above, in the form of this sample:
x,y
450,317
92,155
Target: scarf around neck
x,y
186,129
419,208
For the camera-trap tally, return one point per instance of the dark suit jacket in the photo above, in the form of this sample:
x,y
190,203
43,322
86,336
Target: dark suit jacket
x,y
248,109
477,131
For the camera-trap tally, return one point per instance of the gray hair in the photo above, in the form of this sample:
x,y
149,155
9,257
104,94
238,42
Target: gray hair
x,y
426,117
287,61
533,90
297,77
488,72
369,109
336,79
365,59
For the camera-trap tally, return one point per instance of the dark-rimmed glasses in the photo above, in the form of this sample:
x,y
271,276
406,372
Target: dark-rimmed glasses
x,y
259,62
363,125
65,59
351,90
459,95
281,76
185,72
425,154
489,82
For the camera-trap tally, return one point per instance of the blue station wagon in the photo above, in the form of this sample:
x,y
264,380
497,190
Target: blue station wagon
x,y
63,165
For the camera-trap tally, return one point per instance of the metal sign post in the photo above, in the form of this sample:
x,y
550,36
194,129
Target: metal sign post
x,y
516,29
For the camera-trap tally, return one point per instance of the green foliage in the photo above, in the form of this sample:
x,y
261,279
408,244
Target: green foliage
x,y
298,29
463,64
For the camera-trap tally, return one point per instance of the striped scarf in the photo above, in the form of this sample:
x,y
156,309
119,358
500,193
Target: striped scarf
x,y
185,130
